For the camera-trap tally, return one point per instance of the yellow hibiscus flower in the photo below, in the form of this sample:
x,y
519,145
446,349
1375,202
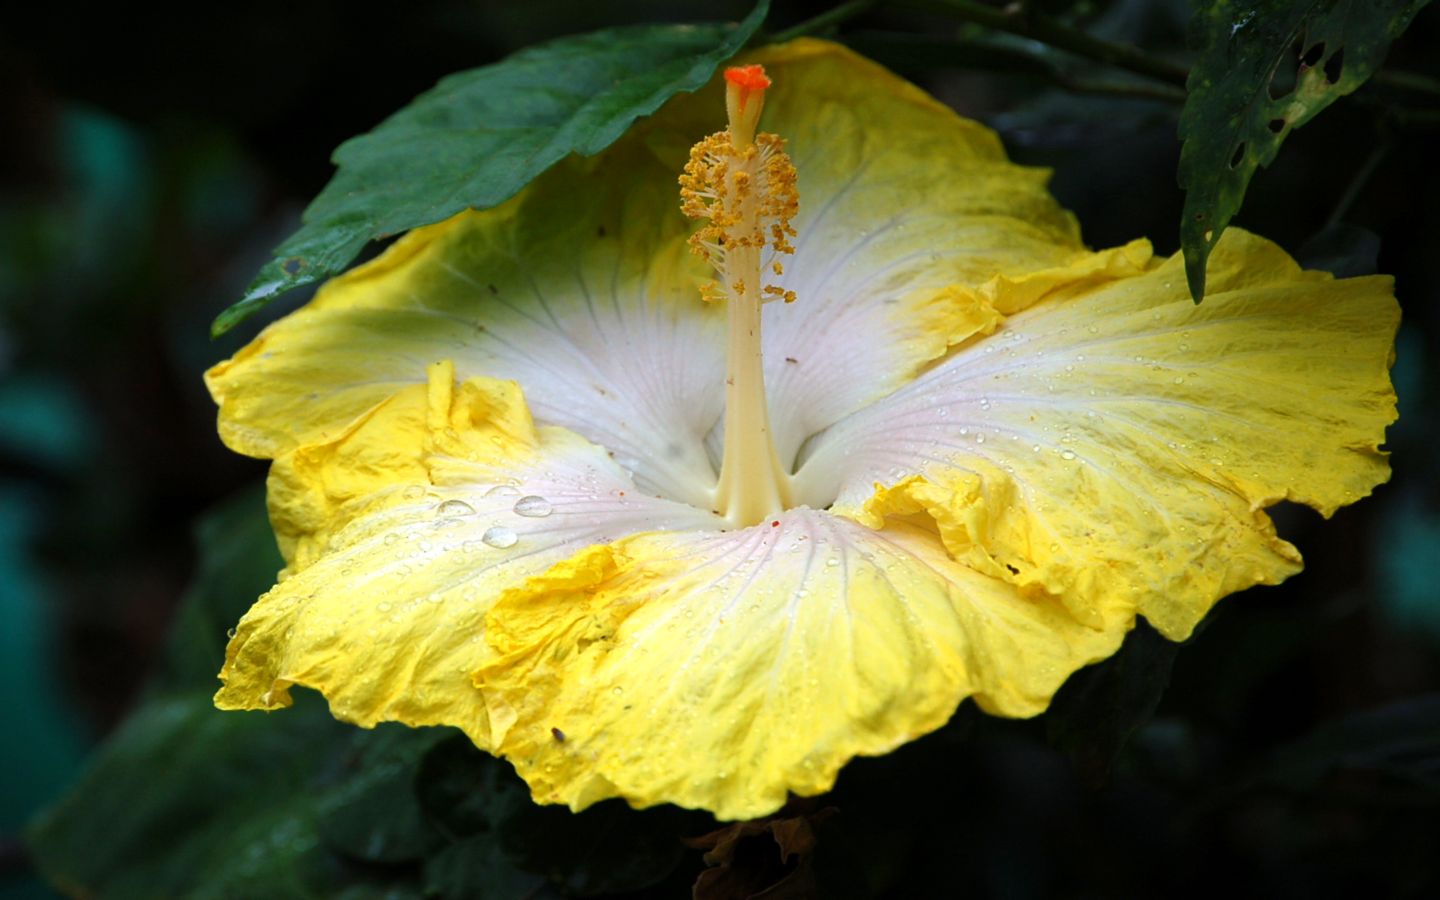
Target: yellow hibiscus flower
x,y
528,484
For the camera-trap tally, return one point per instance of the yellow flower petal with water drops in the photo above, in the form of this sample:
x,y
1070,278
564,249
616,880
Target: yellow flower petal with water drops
x,y
726,670
401,532
1117,445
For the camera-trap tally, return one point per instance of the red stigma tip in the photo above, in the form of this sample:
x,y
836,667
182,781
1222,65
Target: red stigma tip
x,y
749,78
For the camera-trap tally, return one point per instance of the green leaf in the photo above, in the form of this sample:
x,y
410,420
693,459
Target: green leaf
x,y
373,813
1242,105
238,562
502,838
478,137
223,804
1100,707
212,804
476,868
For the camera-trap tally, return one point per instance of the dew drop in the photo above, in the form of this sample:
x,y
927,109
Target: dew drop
x,y
384,606
499,537
832,561
617,690
436,597
413,492
503,490
391,539
979,438
533,506
455,508
1179,379
1067,454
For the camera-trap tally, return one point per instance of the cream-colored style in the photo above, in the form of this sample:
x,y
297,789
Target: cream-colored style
x,y
497,453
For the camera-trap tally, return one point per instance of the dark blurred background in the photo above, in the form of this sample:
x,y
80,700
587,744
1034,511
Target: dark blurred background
x,y
150,159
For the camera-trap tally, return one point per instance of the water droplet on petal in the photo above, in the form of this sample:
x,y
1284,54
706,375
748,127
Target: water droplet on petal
x,y
503,490
1067,454
392,538
413,492
533,506
499,537
455,508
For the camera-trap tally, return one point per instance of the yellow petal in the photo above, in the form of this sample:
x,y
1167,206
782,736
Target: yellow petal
x,y
402,531
726,670
1117,445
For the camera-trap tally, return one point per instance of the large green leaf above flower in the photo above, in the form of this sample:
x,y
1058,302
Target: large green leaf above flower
x,y
480,136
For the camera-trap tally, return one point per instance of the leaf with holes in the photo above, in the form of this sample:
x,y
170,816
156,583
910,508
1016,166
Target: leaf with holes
x,y
1265,67
478,137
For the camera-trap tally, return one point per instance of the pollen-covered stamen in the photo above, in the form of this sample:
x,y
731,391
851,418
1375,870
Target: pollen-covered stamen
x,y
743,185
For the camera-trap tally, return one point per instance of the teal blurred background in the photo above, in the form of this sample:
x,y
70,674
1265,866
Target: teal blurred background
x,y
148,165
